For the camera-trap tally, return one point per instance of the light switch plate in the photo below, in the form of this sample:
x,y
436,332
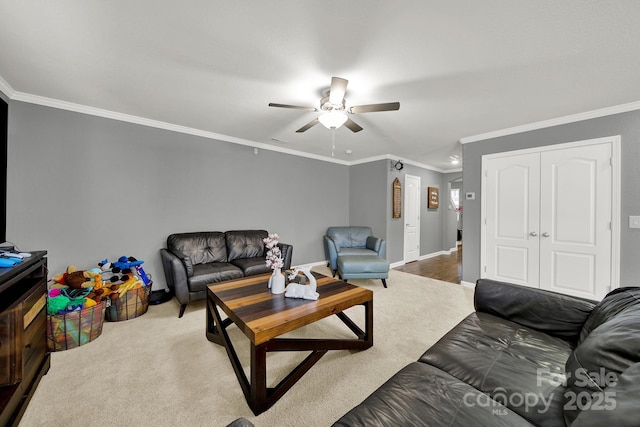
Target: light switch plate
x,y
634,221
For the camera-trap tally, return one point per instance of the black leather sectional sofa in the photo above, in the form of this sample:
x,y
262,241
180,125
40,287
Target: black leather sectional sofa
x,y
525,357
193,261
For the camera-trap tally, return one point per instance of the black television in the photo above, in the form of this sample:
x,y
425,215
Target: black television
x,y
4,135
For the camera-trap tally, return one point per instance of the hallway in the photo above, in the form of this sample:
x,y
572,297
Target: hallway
x,y
442,267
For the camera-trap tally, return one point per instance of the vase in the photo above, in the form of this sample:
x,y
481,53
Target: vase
x,y
276,282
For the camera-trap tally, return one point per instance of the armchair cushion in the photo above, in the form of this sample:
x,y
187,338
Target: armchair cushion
x,y
349,237
245,244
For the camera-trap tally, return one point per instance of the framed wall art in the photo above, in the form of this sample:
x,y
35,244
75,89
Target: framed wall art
x,y
397,198
433,197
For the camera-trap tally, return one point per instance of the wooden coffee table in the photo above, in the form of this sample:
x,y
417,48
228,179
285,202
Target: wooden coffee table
x,y
262,317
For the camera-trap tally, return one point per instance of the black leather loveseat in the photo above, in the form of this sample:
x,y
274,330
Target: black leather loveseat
x,y
193,261
525,357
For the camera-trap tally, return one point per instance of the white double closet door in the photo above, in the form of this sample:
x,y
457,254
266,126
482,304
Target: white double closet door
x,y
548,218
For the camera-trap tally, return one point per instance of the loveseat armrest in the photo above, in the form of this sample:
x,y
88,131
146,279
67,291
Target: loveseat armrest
x,y
175,274
556,314
287,253
378,245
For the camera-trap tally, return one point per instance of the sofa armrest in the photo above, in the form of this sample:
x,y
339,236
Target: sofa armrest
x,y
176,275
378,245
331,252
287,254
556,314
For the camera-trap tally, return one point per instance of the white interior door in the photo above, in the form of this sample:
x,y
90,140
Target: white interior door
x,y
549,218
575,221
512,218
411,218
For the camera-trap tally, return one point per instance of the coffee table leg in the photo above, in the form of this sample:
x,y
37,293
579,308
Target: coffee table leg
x,y
258,382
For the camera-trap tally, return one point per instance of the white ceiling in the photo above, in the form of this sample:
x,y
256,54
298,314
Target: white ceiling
x,y
458,68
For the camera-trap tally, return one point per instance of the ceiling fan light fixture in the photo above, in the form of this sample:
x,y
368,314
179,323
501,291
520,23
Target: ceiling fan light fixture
x,y
333,119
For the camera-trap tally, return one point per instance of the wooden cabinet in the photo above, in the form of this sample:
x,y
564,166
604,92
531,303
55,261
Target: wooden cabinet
x,y
24,358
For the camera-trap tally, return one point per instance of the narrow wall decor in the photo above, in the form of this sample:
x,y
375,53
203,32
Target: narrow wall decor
x,y
397,198
433,198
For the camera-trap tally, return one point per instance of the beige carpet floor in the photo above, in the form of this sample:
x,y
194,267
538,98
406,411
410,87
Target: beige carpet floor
x,y
158,370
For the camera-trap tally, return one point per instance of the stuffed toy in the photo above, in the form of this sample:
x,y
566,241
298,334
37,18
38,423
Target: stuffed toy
x,y
75,278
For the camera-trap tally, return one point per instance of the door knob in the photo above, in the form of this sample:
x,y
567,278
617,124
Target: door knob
x,y
533,233
545,234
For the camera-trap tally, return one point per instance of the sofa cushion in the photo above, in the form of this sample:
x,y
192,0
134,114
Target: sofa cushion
x,y
422,395
562,316
349,237
199,247
612,304
607,351
208,274
252,266
518,366
245,243
617,402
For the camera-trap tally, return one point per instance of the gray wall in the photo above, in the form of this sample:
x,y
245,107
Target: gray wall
x,y
367,197
86,188
626,124
431,220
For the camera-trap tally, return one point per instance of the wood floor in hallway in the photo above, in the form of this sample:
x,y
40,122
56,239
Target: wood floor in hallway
x,y
441,267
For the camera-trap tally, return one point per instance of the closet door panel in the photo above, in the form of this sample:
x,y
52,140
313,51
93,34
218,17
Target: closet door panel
x,y
575,218
512,219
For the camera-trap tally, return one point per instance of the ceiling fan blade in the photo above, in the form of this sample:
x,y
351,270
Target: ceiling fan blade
x,y
337,91
297,107
308,126
388,106
353,125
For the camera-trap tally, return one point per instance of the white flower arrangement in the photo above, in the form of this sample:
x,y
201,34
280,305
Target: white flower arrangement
x,y
274,255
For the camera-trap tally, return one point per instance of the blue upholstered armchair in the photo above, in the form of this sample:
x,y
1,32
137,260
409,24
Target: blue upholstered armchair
x,y
351,241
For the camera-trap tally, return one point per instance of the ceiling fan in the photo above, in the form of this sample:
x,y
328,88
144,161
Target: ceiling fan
x,y
334,111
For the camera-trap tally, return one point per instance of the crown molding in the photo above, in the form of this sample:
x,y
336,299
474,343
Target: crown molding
x,y
394,157
99,112
83,109
602,112
6,88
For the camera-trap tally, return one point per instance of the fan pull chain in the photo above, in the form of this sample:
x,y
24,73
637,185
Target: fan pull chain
x,y
333,142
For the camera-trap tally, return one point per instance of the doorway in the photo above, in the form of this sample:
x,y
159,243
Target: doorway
x,y
411,218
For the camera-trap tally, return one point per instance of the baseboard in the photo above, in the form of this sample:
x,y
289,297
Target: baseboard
x,y
312,264
468,284
423,257
432,254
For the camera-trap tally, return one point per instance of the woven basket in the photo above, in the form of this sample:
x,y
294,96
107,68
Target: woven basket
x,y
71,330
129,306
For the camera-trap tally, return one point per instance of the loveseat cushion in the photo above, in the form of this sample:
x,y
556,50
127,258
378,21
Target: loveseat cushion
x,y
422,395
610,348
245,243
199,247
252,266
518,366
208,274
